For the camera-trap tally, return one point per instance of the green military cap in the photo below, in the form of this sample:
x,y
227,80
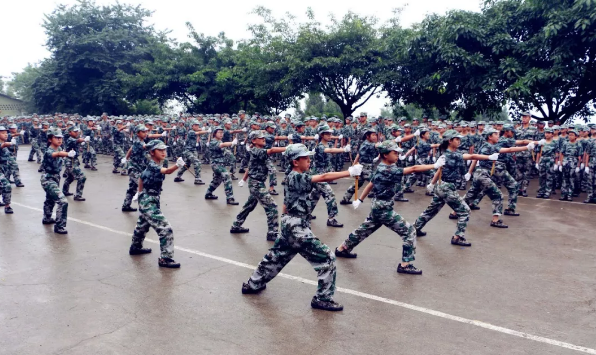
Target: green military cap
x,y
367,131
297,150
388,146
118,121
217,128
297,123
395,127
526,113
324,129
463,125
489,131
140,128
556,127
507,127
415,119
241,112
149,121
483,123
73,129
45,124
388,118
371,120
407,125
12,126
548,130
363,114
541,122
56,132
283,120
586,129
472,124
2,128
450,134
256,134
573,131
269,124
156,144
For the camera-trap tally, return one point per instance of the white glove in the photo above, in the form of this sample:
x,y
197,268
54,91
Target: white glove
x,y
241,183
196,145
99,140
577,170
164,134
402,157
316,137
123,161
410,158
242,143
398,140
341,136
376,159
72,153
493,157
87,139
530,146
537,166
98,128
248,148
22,133
587,171
582,165
564,163
83,143
430,188
290,137
467,176
417,133
347,148
355,170
174,143
356,204
127,124
542,141
13,141
399,150
244,129
434,159
554,168
180,162
135,198
235,142
560,168
209,130
468,162
440,162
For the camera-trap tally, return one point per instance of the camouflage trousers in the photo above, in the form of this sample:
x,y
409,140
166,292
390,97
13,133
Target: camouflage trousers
x,y
231,160
190,158
221,174
483,184
35,151
524,165
423,176
73,172
258,193
150,216
89,155
446,192
570,178
12,170
325,190
118,155
382,213
546,176
5,189
364,176
591,180
133,186
297,238
272,173
54,196
243,156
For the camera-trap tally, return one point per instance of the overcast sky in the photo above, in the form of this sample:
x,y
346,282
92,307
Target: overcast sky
x,y
23,36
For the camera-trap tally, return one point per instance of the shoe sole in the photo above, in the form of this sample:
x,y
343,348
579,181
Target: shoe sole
x,y
238,232
327,309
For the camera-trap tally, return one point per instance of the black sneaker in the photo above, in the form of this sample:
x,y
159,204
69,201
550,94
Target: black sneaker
x,y
239,230
210,197
87,166
48,221
326,305
115,171
271,237
400,199
39,170
168,263
313,217
2,204
241,171
524,194
461,241
79,198
420,233
128,209
199,182
8,210
498,224
233,177
453,216
67,193
93,168
345,202
60,231
247,290
345,254
138,250
232,202
474,207
273,192
19,184
408,191
510,212
178,179
334,223
409,269
332,183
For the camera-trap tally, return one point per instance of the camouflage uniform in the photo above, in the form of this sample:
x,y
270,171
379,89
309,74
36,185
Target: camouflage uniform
x,y
546,168
484,184
11,169
220,173
296,237
136,165
382,213
269,141
368,153
5,187
258,192
570,151
150,212
50,182
73,169
422,158
322,165
35,150
90,155
523,161
118,145
446,192
189,155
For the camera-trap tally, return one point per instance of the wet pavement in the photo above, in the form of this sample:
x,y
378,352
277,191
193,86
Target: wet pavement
x,y
529,289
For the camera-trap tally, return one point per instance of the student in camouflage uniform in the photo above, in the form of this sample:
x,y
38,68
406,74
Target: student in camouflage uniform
x,y
149,199
296,236
445,189
137,161
367,153
257,176
423,148
382,213
118,146
189,154
590,165
42,141
50,182
546,164
570,158
12,168
5,187
523,160
33,137
73,166
218,165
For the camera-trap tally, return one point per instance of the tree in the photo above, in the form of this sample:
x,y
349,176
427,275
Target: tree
x,y
21,86
89,45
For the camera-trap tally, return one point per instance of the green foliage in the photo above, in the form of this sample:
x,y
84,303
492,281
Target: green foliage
x,y
317,105
21,86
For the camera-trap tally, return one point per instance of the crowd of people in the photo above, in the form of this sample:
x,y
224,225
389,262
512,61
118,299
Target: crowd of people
x,y
393,156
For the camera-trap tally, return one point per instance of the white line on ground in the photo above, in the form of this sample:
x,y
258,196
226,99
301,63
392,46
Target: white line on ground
x,y
357,293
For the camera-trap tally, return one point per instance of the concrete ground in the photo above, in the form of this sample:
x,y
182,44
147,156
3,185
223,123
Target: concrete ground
x,y
529,289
